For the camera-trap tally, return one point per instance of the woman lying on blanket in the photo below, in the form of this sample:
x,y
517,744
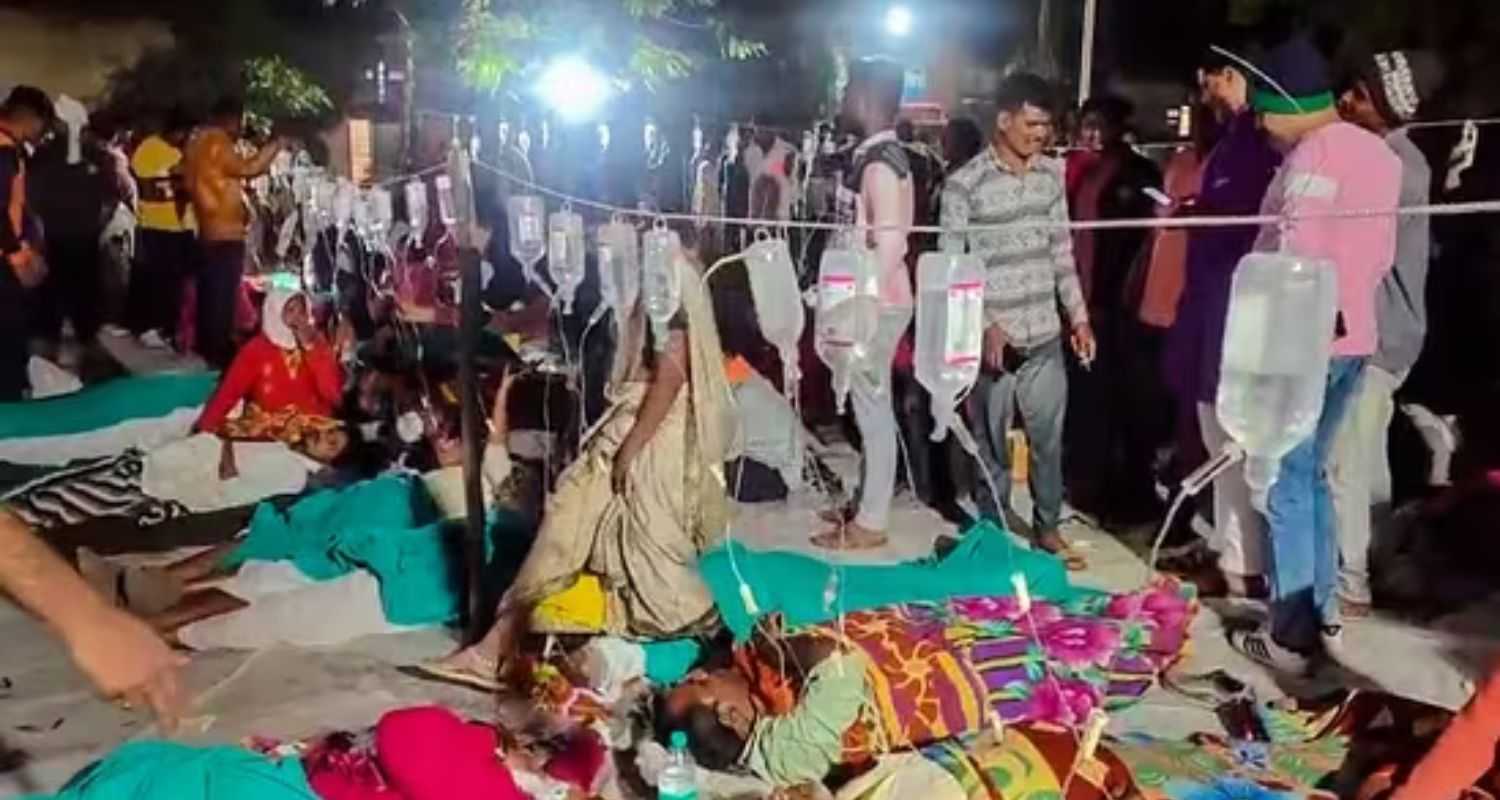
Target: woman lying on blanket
x,y
290,382
794,708
644,498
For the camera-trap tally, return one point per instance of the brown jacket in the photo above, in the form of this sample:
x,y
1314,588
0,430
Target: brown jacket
x,y
215,173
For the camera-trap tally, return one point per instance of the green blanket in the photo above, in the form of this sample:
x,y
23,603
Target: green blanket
x,y
105,405
795,585
168,771
390,527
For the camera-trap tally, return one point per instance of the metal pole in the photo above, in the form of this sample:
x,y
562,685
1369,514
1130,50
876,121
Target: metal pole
x,y
1086,69
470,323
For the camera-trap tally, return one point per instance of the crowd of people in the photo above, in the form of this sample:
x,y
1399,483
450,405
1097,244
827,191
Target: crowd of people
x,y
1102,346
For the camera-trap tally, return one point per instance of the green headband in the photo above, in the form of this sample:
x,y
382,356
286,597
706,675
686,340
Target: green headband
x,y
1269,102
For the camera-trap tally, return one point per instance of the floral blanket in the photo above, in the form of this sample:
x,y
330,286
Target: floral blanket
x,y
1059,662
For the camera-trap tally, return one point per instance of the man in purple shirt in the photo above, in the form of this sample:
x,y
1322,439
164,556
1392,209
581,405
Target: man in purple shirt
x,y
1234,181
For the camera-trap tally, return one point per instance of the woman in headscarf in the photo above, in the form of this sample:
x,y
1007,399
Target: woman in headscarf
x,y
290,381
645,497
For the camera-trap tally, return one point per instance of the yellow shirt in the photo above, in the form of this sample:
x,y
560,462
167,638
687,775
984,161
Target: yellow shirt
x,y
155,166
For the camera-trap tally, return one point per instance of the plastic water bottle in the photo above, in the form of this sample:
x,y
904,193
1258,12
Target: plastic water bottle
x,y
950,323
848,312
619,268
1277,343
661,288
528,242
679,779
778,300
565,255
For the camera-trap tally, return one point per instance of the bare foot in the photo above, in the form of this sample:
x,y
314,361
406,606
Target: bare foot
x,y
1053,542
468,667
850,537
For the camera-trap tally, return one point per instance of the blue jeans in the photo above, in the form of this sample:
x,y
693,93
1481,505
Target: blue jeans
x,y
1038,386
1303,531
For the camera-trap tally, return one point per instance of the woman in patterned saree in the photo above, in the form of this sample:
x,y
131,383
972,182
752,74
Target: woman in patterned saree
x,y
644,498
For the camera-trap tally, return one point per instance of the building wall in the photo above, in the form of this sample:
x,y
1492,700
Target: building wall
x,y
69,56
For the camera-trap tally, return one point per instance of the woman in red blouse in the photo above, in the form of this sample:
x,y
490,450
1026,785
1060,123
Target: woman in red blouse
x,y
290,381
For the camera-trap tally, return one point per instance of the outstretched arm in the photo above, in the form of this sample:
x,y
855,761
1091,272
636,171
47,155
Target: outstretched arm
x,y
117,652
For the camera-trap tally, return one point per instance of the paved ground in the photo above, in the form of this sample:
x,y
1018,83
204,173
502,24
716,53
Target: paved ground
x,y
48,716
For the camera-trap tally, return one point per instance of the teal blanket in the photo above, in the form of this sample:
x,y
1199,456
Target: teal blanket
x,y
105,405
168,771
795,585
388,526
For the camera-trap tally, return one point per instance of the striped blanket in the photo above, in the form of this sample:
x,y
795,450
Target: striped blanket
x,y
105,487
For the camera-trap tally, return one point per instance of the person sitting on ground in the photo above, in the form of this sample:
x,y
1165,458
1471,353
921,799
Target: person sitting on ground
x,y
645,497
290,381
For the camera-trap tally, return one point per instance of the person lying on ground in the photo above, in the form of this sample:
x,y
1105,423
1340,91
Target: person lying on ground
x,y
173,596
118,653
795,708
290,382
643,500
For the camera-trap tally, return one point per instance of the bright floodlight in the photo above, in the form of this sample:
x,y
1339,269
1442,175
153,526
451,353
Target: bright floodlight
x,y
573,88
898,21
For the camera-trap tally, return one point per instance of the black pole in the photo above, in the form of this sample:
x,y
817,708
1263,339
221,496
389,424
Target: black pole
x,y
470,323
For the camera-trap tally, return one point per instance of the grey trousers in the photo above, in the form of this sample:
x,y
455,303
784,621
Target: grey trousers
x,y
1038,387
874,412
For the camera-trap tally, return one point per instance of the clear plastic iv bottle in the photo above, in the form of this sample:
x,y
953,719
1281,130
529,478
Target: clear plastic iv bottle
x,y
661,287
619,268
344,195
379,210
950,324
447,209
416,209
1277,344
848,312
778,301
565,255
528,239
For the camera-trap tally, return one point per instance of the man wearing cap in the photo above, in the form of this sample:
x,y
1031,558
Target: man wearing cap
x,y
1331,166
1384,97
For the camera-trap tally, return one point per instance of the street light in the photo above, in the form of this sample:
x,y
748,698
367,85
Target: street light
x,y
898,21
573,88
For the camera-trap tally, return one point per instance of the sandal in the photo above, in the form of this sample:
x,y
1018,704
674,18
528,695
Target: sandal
x,y
1056,545
480,674
850,538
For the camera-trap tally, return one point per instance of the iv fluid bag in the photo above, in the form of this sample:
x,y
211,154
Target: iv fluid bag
x,y
528,240
619,268
1277,343
660,286
848,312
379,211
363,212
325,192
778,301
447,210
950,331
343,202
416,209
565,255
461,190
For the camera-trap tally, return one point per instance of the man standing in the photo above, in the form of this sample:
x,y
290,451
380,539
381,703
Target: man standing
x,y
1235,178
25,116
876,200
1030,273
1331,166
215,173
166,248
1386,96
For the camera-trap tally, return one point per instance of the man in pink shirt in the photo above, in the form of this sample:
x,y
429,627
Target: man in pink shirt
x,y
877,203
1331,166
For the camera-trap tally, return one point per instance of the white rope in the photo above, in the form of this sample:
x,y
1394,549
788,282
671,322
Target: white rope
x,y
1433,210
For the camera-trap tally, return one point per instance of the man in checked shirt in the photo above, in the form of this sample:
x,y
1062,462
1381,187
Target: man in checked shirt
x,y
1030,274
